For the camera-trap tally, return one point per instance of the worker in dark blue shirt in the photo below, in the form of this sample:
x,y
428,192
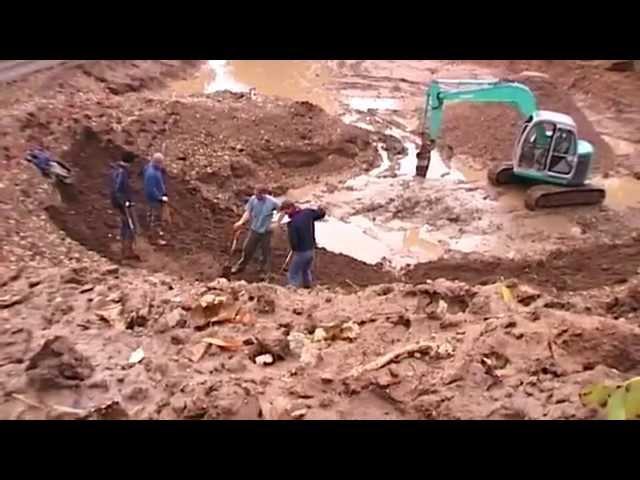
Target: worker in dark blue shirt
x,y
121,200
302,240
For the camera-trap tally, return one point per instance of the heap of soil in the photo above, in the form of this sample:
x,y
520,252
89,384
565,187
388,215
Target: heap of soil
x,y
488,132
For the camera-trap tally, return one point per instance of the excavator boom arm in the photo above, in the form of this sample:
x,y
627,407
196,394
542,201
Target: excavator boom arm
x,y
483,91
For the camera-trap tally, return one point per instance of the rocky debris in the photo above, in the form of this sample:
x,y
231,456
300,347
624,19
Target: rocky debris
x,y
58,365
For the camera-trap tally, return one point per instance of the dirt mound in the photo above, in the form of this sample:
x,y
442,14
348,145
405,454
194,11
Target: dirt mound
x,y
488,132
230,140
578,269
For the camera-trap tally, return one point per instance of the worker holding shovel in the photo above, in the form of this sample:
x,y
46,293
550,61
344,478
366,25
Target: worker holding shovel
x,y
259,214
302,240
122,201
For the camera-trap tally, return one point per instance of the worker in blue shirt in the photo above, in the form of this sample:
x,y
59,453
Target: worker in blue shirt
x,y
302,241
155,193
259,214
121,200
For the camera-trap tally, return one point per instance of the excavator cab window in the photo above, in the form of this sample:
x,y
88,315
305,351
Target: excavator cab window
x,y
536,145
564,152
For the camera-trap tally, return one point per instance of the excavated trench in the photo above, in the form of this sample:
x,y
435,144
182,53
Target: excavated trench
x,y
199,237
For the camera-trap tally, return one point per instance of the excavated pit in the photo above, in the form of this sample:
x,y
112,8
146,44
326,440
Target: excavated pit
x,y
200,236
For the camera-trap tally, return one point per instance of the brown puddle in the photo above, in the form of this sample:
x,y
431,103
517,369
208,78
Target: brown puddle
x,y
301,80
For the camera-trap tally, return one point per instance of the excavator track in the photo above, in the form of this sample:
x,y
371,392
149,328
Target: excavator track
x,y
551,196
501,175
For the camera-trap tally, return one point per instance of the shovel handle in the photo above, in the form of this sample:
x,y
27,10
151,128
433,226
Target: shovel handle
x,y
286,262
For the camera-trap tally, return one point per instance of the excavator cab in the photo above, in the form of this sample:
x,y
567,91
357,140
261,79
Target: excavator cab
x,y
547,150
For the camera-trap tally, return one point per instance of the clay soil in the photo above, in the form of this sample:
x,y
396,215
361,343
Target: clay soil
x,y
83,335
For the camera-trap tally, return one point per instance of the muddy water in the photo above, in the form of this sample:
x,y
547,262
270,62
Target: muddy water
x,y
301,80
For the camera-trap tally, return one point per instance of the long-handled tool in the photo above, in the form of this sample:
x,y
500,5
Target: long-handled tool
x,y
285,265
234,243
131,219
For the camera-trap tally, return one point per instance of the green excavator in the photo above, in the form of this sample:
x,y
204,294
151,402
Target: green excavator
x,y
548,156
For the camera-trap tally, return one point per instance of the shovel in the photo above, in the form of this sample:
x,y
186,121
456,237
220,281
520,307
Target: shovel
x,y
234,243
287,260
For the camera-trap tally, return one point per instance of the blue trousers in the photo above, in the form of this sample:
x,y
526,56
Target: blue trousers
x,y
300,269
